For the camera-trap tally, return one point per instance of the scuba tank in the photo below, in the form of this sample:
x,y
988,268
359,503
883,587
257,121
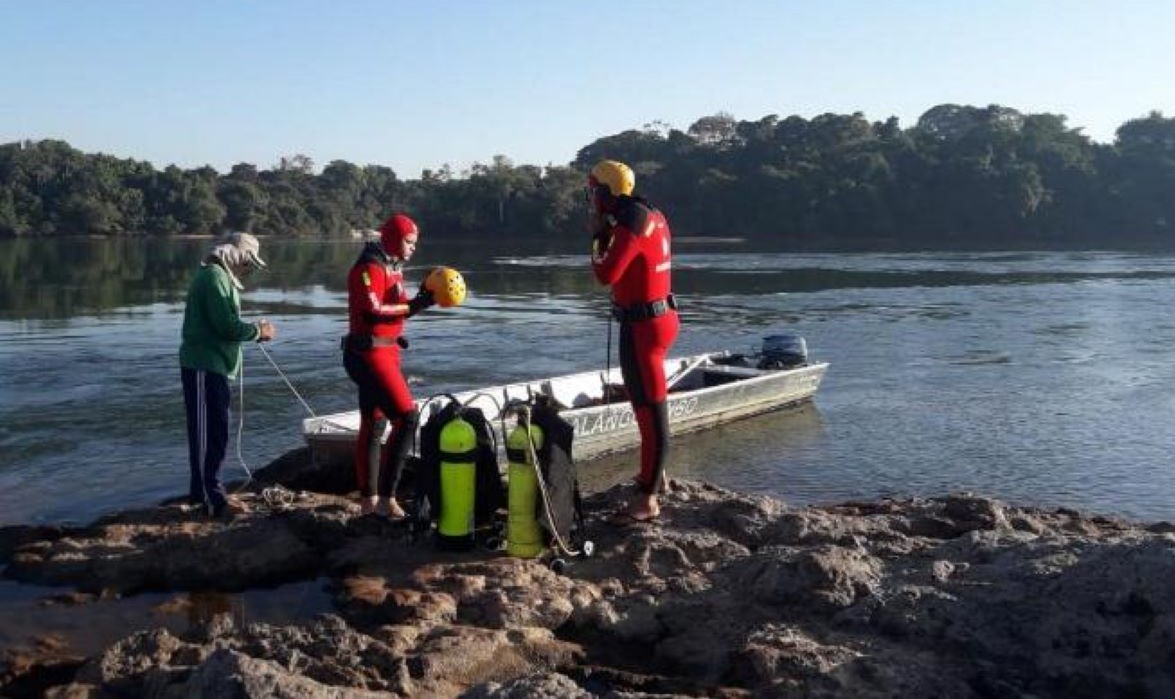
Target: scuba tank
x,y
524,537
458,471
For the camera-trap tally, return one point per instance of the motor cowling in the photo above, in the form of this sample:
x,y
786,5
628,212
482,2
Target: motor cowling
x,y
783,352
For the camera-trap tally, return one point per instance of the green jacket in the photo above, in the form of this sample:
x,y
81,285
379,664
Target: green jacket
x,y
213,330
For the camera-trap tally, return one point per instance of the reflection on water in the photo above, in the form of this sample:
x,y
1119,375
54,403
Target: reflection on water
x,y
28,612
60,278
1036,377
759,452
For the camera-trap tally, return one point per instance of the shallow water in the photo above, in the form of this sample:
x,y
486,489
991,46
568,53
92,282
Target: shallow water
x,y
1040,378
31,612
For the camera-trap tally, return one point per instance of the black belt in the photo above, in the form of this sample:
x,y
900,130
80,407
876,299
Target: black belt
x,y
362,343
644,311
518,456
460,457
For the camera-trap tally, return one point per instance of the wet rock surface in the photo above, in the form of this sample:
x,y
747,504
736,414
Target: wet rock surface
x,y
726,595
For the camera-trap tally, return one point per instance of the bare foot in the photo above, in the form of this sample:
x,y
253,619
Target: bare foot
x,y
394,510
644,507
368,505
232,507
642,510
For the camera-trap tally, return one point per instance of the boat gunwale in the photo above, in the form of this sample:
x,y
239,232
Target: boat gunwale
x,y
341,433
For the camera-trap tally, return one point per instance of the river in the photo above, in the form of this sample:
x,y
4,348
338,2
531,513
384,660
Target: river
x,y
1039,378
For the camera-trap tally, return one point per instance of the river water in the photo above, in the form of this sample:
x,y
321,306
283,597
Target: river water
x,y
1039,378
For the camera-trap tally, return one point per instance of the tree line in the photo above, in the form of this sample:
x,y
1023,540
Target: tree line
x,y
962,177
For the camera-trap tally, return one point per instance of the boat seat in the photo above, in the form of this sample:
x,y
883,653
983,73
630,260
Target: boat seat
x,y
719,375
724,370
575,391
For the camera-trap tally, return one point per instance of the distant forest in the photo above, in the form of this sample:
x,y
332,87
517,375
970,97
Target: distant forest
x,y
962,177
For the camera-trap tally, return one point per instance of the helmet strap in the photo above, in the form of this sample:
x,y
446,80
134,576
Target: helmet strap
x,y
605,198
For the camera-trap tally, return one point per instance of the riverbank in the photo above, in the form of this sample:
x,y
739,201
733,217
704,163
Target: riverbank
x,y
728,594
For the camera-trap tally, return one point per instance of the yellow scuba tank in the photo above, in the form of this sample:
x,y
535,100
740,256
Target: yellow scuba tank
x,y
458,476
524,537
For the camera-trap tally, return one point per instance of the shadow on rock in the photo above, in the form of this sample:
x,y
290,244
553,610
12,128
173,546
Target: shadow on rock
x,y
725,595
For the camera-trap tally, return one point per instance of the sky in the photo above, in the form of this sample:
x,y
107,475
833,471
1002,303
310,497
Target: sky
x,y
415,85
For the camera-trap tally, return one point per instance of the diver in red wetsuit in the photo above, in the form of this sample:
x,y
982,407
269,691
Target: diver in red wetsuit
x,y
377,305
630,252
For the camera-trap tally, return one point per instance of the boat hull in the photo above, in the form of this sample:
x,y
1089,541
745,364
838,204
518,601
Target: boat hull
x,y
706,394
604,429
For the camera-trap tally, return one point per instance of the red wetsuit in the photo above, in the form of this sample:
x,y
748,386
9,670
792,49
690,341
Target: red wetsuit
x,y
636,264
375,299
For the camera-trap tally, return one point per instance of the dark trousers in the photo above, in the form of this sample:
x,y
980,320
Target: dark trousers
x,y
383,393
643,346
206,401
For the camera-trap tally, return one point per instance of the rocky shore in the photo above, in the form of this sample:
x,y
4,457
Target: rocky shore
x,y
727,595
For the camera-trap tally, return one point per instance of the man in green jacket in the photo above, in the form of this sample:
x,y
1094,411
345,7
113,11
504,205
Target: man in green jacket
x,y
210,357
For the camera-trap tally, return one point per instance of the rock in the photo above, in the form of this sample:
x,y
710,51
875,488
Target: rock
x,y
15,537
169,548
826,578
124,661
74,690
538,686
778,650
30,671
296,470
368,599
941,570
228,673
726,595
969,512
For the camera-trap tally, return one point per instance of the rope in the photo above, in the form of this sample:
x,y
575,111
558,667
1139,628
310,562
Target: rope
x,y
241,430
606,393
241,412
524,418
682,371
608,355
278,498
281,373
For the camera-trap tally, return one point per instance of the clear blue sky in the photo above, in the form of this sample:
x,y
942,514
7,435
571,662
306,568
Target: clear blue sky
x,y
418,84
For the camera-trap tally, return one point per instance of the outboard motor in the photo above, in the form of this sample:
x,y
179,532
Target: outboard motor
x,y
783,352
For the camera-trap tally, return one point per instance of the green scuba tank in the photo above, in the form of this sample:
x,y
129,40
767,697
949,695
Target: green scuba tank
x,y
458,442
524,538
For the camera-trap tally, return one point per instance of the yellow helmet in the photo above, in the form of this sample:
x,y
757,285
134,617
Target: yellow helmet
x,y
614,175
447,286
